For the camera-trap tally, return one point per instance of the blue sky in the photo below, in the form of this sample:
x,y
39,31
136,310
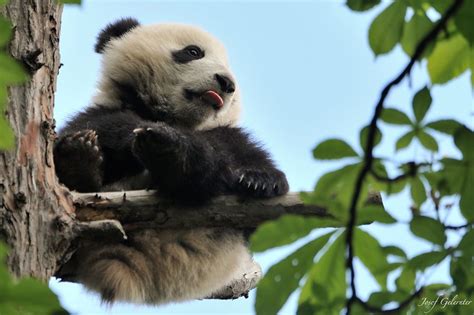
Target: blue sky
x,y
306,74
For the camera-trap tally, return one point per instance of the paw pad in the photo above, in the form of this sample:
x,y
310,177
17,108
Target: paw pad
x,y
81,145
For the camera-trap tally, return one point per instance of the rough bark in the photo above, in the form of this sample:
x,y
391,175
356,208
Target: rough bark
x,y
33,206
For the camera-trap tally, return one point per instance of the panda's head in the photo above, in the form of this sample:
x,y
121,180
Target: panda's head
x,y
167,72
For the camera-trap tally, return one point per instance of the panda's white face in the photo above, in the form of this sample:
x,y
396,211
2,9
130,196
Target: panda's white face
x,y
171,72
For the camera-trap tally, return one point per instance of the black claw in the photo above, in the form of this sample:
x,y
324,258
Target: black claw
x,y
260,183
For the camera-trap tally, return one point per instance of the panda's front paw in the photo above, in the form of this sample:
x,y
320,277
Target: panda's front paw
x,y
260,183
156,141
78,160
82,146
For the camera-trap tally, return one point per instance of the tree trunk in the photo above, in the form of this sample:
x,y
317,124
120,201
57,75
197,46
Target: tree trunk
x,y
34,208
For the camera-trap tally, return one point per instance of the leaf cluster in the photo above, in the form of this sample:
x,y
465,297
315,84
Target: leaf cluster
x,y
317,269
406,22
25,296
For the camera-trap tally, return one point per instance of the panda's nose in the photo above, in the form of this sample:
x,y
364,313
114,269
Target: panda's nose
x,y
226,84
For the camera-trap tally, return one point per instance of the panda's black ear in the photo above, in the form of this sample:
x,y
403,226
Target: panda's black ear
x,y
114,30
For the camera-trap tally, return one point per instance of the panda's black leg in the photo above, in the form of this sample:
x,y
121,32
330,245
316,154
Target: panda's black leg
x,y
183,166
78,159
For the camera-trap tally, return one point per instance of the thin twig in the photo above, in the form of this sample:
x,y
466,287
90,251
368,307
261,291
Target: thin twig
x,y
412,171
395,310
368,158
458,227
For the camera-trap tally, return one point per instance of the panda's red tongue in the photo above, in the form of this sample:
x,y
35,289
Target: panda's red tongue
x,y
213,98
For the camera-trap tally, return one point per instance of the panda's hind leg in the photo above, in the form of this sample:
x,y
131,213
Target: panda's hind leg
x,y
78,160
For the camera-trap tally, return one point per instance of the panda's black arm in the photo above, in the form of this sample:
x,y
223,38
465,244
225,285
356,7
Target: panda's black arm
x,y
77,164
253,171
238,147
197,165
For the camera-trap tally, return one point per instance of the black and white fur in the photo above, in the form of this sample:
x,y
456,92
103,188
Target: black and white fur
x,y
153,124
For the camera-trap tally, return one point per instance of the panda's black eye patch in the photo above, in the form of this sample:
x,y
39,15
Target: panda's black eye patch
x,y
187,54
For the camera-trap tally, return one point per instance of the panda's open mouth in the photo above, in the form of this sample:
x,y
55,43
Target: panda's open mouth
x,y
209,97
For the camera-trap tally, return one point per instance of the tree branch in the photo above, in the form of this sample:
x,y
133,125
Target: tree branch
x,y
369,158
144,209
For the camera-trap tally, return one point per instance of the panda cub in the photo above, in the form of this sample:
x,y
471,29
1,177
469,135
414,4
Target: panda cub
x,y
164,117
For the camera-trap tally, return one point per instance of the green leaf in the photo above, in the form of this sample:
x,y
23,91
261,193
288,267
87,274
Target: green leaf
x,y
472,68
386,29
5,31
466,203
333,149
11,72
7,137
31,296
285,230
441,5
70,1
452,177
361,5
284,277
371,213
331,205
438,287
375,184
370,253
462,272
329,273
405,140
450,58
417,191
464,140
425,260
413,31
427,141
5,278
466,243
3,253
338,184
406,280
379,299
394,251
364,133
26,296
458,176
447,126
428,229
395,117
421,103
464,21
